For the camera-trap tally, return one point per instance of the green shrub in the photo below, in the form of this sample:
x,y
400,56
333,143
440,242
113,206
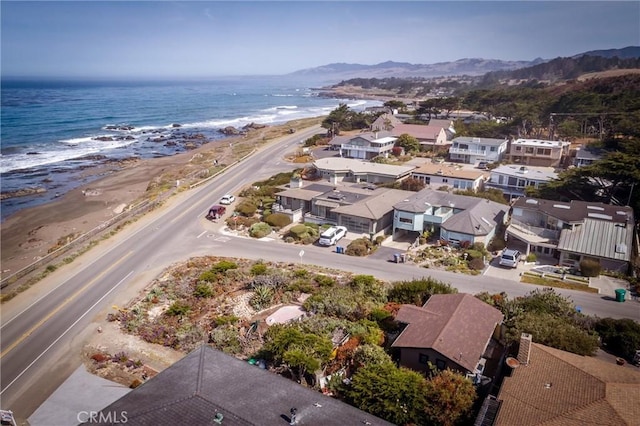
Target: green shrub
x,y
178,308
531,257
590,267
324,280
474,254
259,269
479,247
247,208
418,291
278,220
300,273
379,240
203,290
297,231
621,337
476,264
496,244
223,266
208,276
260,230
312,225
226,319
51,268
359,247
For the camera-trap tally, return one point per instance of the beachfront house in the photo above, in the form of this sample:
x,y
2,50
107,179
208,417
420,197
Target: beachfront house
x,y
437,176
431,138
367,146
574,231
540,153
333,169
448,217
455,331
471,150
512,179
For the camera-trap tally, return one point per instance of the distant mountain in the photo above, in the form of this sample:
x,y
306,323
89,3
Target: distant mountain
x,y
467,66
628,52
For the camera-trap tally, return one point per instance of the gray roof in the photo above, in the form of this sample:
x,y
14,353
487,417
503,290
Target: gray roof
x,y
361,167
589,154
376,206
542,174
599,238
481,141
575,211
207,381
479,216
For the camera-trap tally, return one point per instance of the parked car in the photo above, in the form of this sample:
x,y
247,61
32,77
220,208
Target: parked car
x,y
227,199
216,211
332,235
510,258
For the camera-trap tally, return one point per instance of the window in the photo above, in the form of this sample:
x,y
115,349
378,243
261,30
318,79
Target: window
x,y
406,220
544,151
423,359
518,148
529,150
445,180
493,149
440,364
573,256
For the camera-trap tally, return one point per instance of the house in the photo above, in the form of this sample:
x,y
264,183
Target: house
x,y
363,209
512,179
474,150
439,175
586,156
210,387
449,217
386,122
367,146
450,331
540,153
335,170
554,387
573,231
431,138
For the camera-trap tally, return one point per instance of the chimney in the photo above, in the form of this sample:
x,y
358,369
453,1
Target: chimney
x,y
525,348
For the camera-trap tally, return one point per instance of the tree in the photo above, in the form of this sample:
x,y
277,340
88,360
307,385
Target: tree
x,y
619,336
384,390
395,104
418,291
408,142
450,397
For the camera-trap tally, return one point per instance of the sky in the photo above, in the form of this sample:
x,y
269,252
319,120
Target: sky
x,y
199,39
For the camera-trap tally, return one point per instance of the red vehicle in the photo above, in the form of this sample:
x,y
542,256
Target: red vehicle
x,y
216,211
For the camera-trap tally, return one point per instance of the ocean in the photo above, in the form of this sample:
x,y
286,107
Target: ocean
x,y
50,130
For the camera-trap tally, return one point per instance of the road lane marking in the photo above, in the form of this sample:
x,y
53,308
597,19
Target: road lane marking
x,y
62,305
201,234
66,331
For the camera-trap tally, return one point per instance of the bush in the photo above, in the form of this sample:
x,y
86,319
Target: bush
x,y
178,308
303,233
259,269
223,266
621,337
203,290
590,267
324,280
476,264
531,257
260,230
379,240
474,254
226,319
496,244
208,276
278,220
359,247
418,291
247,208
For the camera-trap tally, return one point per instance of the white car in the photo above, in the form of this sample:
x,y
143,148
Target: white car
x,y
227,199
510,258
332,235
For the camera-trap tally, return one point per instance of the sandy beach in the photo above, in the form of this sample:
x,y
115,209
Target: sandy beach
x,y
31,233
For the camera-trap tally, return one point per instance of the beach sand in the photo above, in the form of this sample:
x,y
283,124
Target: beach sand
x,y
31,233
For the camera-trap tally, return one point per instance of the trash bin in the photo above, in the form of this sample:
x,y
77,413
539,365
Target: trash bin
x,y
396,257
403,258
620,293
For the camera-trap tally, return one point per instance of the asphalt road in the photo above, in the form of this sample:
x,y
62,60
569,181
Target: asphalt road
x,y
44,328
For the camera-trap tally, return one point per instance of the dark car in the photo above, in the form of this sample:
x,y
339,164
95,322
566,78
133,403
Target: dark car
x,y
216,212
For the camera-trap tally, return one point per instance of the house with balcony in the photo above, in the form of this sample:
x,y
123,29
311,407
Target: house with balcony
x,y
431,138
585,156
573,231
448,217
512,179
451,176
539,153
367,146
470,150
334,169
455,331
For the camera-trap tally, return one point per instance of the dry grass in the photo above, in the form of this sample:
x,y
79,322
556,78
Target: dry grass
x,y
548,282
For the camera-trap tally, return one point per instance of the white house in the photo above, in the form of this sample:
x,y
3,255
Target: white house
x,y
367,146
474,150
535,152
512,179
453,176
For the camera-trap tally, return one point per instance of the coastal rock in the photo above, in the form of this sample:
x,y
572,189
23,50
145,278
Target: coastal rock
x,y
170,143
230,131
176,125
23,192
103,139
190,145
252,125
33,153
121,128
93,157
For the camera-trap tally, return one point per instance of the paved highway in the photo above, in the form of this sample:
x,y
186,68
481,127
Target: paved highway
x,y
43,329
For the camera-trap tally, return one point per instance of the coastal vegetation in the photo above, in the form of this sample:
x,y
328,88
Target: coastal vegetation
x,y
344,330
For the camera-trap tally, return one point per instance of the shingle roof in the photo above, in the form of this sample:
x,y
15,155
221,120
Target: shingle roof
x,y
448,171
207,381
561,388
376,206
458,326
418,131
359,166
598,238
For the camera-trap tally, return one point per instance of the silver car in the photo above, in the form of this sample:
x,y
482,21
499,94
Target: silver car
x,y
510,258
